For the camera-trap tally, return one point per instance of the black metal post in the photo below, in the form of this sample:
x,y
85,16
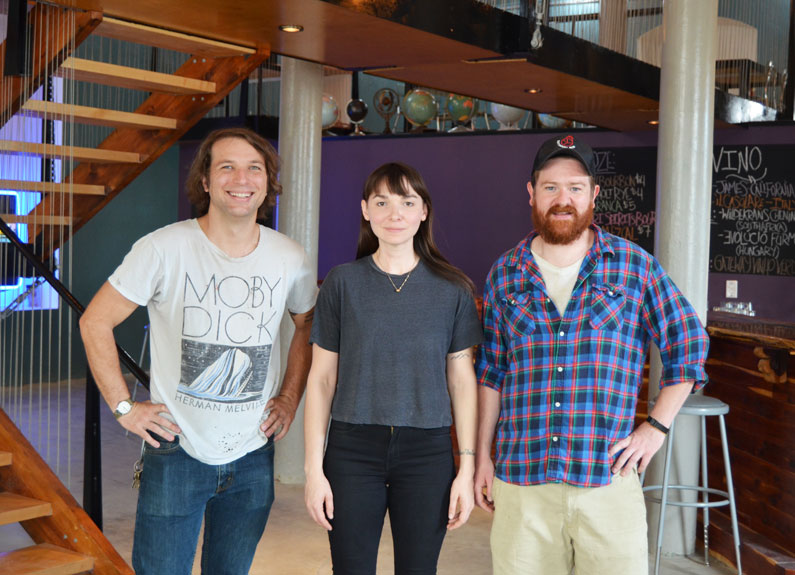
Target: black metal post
x,y
154,58
16,38
243,111
92,454
788,111
47,163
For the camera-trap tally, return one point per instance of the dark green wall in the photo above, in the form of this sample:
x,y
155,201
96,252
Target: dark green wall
x,y
150,202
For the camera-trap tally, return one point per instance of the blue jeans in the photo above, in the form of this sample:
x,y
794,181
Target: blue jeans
x,y
372,468
177,491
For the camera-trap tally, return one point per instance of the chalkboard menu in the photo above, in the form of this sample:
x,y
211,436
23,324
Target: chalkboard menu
x,y
753,210
627,178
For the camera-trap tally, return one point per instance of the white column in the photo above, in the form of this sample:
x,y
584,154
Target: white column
x,y
613,25
299,206
684,181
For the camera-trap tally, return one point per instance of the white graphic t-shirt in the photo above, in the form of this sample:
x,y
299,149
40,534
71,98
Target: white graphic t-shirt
x,y
214,323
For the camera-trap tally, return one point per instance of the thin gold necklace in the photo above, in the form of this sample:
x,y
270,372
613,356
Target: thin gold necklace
x,y
389,277
397,289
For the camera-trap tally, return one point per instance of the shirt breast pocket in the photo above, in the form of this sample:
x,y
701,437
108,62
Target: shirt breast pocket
x,y
517,315
607,307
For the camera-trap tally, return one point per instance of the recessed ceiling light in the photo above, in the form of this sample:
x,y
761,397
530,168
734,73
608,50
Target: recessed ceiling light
x,y
534,90
654,122
291,28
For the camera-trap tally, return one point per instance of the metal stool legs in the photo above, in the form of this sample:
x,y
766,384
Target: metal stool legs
x,y
730,488
702,411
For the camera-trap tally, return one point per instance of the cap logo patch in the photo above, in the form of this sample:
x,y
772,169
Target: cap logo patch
x,y
567,142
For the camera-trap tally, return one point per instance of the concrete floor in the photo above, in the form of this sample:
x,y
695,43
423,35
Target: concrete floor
x,y
292,544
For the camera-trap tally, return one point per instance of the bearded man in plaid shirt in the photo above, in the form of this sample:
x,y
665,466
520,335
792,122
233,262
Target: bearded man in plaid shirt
x,y
569,314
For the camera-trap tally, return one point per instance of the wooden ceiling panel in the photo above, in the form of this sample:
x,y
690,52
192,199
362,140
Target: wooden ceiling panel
x,y
431,43
332,34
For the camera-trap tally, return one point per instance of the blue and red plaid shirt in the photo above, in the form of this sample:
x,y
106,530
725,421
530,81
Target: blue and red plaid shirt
x,y
569,385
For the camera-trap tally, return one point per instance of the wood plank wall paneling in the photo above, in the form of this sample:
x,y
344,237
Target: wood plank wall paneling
x,y
761,433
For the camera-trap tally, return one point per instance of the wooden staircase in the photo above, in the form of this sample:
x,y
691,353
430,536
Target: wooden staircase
x,y
175,103
66,540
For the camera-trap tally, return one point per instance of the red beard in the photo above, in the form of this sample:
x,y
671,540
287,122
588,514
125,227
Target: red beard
x,y
561,232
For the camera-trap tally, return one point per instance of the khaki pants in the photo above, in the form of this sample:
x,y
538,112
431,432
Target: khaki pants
x,y
548,529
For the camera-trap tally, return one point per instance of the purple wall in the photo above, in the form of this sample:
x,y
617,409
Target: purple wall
x,y
477,182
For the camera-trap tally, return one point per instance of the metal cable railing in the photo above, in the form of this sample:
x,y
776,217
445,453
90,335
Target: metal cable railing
x,y
92,468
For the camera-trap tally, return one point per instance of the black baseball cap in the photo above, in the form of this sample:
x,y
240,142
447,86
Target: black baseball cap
x,y
566,146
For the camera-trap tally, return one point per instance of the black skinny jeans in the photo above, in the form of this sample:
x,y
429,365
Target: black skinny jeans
x,y
372,468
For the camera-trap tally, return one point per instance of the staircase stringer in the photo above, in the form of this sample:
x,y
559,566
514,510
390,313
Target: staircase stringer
x,y
226,73
68,526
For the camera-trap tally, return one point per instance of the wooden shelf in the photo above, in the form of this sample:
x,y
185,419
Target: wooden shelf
x,y
70,152
15,508
52,188
168,39
44,559
37,220
97,116
133,78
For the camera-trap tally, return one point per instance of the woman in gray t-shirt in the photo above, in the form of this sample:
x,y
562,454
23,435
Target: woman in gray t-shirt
x,y
393,339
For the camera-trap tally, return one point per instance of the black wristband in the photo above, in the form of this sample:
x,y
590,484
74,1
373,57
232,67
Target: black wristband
x,y
657,425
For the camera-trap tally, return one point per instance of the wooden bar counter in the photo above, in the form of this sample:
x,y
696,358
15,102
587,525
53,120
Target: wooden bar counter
x,y
751,367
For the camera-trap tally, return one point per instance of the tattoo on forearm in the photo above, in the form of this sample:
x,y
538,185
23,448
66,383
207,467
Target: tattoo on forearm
x,y
460,355
305,317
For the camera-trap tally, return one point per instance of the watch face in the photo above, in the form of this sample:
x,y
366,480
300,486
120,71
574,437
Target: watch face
x,y
124,407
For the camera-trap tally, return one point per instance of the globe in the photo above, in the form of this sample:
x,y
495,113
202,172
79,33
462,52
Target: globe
x,y
330,113
461,108
419,107
385,101
553,122
356,110
507,116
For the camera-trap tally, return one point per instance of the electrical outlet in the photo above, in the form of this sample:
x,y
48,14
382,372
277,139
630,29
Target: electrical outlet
x,y
731,289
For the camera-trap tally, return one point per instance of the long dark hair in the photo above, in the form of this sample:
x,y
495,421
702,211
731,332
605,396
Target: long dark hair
x,y
199,173
399,179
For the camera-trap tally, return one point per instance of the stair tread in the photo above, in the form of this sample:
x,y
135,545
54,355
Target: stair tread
x,y
168,39
133,78
97,116
44,559
52,187
37,219
14,508
78,154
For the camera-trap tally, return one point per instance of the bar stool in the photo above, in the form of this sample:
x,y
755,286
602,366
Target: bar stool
x,y
703,407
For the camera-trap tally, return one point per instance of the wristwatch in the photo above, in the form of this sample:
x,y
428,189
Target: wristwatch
x,y
123,408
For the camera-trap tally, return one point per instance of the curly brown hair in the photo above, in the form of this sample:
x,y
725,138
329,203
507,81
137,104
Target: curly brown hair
x,y
200,169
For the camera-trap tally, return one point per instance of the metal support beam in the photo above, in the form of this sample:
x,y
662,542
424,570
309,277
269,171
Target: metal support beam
x,y
16,39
